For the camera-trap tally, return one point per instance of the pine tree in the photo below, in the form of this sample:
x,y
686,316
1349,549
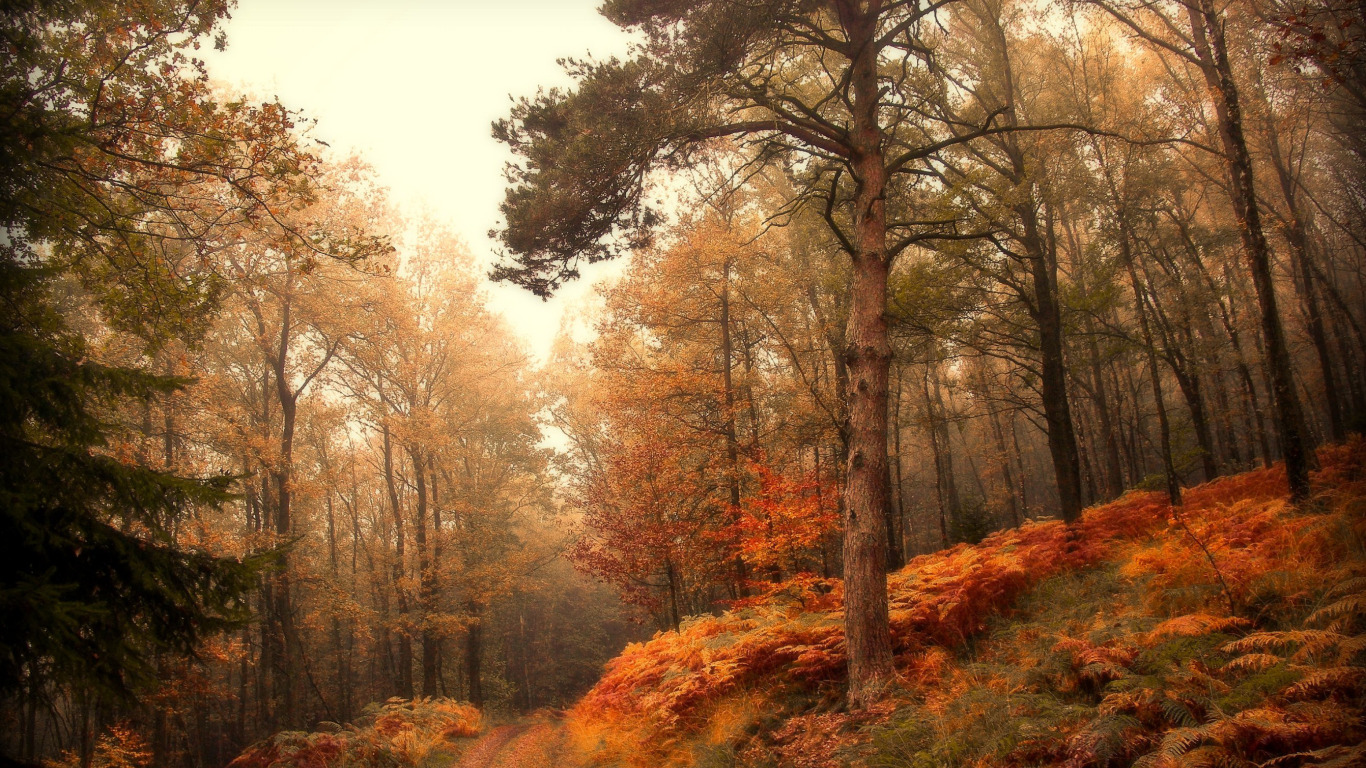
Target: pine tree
x,y
92,582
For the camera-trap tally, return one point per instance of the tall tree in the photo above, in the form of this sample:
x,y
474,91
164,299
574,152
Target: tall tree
x,y
1197,33
792,79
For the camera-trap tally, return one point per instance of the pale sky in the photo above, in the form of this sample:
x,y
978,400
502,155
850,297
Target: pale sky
x,y
412,86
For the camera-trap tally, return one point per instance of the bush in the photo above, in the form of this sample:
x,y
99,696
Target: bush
x,y
401,733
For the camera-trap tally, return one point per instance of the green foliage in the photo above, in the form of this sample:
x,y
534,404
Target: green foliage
x,y
1088,671
972,523
92,583
981,724
586,157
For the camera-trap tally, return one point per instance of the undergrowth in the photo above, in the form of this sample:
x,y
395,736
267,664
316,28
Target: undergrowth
x,y
401,733
1228,632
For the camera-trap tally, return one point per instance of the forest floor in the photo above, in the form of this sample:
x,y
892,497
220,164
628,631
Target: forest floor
x,y
1228,631
485,752
535,743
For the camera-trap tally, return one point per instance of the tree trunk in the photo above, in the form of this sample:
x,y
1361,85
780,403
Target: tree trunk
x,y
426,576
284,639
1012,505
896,518
945,443
438,640
1296,236
1187,380
1155,377
675,616
1062,438
1208,34
1114,476
474,654
1041,255
1019,461
868,354
732,439
943,477
404,682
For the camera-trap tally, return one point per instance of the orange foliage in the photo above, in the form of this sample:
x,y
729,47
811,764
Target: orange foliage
x,y
785,520
119,747
791,639
417,732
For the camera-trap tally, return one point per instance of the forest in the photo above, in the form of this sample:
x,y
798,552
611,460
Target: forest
x,y
980,383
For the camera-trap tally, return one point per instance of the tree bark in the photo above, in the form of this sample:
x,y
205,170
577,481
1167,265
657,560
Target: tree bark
x,y
944,489
896,511
1114,476
1313,316
1062,438
1155,377
1012,505
474,654
283,637
868,355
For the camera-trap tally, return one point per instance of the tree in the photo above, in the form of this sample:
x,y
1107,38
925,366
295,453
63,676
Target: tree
x,y
1004,185
93,584
809,82
1196,33
128,178
121,173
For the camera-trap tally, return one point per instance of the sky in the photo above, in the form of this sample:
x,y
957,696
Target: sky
x,y
412,86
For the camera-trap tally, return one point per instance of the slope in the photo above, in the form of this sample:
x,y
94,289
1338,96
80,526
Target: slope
x,y
1226,632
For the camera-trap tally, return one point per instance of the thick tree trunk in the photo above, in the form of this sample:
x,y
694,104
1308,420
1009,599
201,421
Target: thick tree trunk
x,y
868,355
1062,437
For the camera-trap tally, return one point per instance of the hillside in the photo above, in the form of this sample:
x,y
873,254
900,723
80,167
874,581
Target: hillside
x,y
1228,632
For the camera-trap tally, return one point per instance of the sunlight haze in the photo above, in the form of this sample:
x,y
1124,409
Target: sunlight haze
x,y
412,87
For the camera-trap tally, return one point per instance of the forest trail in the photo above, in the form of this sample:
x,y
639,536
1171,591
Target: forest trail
x,y
483,752
519,745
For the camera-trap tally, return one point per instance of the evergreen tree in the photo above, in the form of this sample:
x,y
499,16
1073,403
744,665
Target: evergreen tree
x,y
92,582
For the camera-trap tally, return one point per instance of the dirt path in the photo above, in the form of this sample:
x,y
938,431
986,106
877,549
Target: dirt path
x,y
482,754
534,743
